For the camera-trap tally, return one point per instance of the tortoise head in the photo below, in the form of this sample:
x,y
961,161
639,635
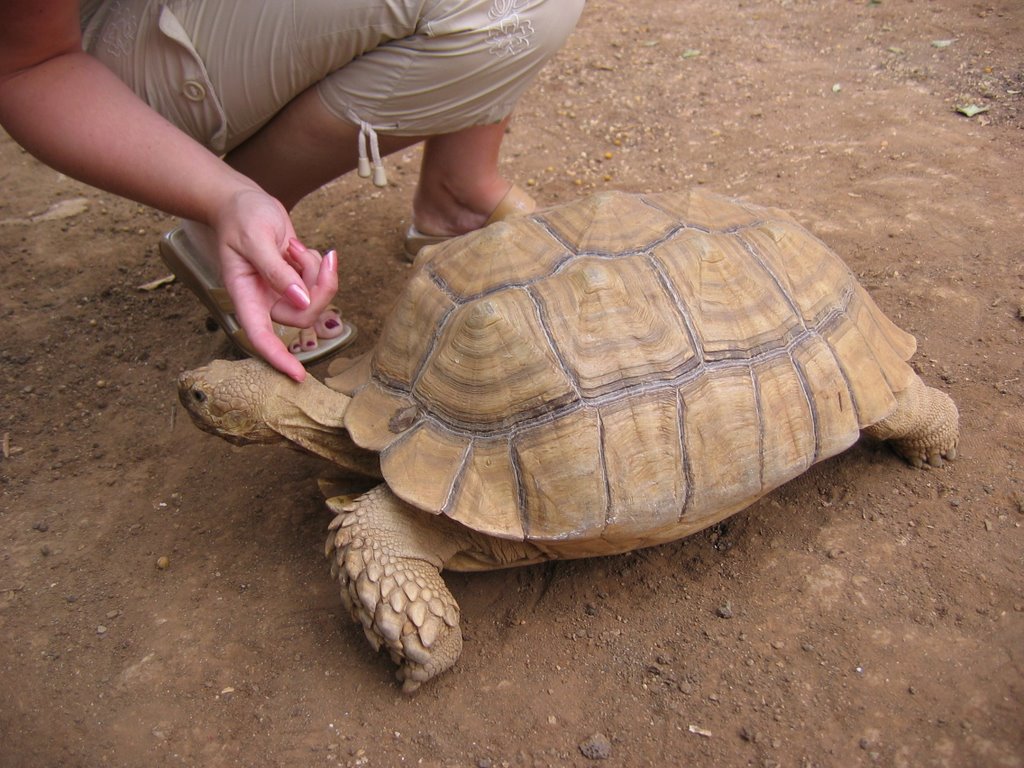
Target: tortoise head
x,y
234,400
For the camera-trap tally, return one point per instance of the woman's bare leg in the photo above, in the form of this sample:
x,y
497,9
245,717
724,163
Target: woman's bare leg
x,y
305,147
459,183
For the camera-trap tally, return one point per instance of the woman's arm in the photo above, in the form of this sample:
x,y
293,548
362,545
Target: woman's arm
x,y
76,116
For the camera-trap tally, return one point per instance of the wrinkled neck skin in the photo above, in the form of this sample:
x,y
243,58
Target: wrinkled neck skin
x,y
312,417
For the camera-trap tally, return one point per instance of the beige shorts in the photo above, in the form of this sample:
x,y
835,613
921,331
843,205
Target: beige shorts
x,y
221,69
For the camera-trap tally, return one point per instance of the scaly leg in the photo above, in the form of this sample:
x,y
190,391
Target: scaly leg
x,y
388,559
923,428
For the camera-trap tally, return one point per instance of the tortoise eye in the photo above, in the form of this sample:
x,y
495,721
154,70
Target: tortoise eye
x,y
198,395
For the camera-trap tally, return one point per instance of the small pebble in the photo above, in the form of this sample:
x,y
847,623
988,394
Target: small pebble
x,y
596,747
44,550
724,611
1018,500
163,562
101,630
41,526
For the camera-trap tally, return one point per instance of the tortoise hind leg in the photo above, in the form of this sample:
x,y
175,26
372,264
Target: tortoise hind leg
x,y
923,428
388,558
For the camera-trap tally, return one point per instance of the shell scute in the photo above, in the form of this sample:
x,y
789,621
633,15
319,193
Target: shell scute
x,y
402,345
724,464
430,455
492,366
643,457
563,489
787,433
736,307
836,423
650,342
372,412
864,365
811,276
488,491
609,223
503,254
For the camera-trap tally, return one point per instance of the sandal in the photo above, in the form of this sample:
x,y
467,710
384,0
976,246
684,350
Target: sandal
x,y
179,253
516,202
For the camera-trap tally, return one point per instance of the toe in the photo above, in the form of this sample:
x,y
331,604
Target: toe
x,y
329,324
307,339
297,340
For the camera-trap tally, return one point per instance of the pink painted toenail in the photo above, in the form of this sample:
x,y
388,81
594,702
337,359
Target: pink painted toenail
x,y
310,344
331,323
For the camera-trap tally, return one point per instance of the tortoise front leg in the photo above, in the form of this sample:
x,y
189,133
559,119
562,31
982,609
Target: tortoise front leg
x,y
388,558
924,426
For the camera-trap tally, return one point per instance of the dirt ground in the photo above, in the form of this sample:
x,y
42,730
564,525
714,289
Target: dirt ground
x,y
865,614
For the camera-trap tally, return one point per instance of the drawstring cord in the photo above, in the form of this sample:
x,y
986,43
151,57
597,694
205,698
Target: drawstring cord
x,y
369,136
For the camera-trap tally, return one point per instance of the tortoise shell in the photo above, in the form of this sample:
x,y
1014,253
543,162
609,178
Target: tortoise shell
x,y
622,370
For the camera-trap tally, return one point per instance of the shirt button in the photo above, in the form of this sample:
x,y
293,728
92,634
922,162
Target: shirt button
x,y
193,90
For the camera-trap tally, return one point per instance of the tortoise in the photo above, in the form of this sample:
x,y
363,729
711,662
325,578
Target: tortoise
x,y
604,375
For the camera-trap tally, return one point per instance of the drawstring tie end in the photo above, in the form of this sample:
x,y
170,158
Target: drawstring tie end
x,y
369,136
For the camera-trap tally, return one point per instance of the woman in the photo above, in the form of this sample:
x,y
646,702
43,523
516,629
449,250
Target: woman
x,y
228,113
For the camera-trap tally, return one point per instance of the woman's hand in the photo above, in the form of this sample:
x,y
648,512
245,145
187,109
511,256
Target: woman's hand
x,y
270,275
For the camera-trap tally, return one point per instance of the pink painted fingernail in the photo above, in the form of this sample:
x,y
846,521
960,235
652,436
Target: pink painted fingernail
x,y
297,295
295,244
331,259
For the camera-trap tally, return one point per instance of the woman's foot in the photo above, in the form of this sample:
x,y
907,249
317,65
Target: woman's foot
x,y
459,185
304,340
515,202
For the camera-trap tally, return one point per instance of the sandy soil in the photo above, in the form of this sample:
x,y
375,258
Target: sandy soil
x,y
875,612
